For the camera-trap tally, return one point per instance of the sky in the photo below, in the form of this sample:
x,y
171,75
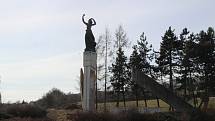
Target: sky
x,y
42,41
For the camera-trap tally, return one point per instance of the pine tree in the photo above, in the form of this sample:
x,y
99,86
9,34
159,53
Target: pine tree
x,y
205,58
191,67
140,60
168,55
182,62
146,55
186,67
135,64
119,79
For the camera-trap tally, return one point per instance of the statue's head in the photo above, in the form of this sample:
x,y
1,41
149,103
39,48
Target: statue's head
x,y
90,21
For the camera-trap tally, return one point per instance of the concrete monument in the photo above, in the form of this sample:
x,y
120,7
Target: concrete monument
x,y
90,64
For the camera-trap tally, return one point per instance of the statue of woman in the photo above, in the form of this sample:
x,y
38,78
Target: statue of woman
x,y
89,37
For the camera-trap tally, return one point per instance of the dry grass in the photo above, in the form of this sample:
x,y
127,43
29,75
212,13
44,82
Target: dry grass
x,y
61,115
212,103
57,115
164,107
132,104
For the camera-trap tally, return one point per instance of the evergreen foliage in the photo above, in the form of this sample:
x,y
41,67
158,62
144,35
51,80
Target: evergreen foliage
x,y
119,79
168,55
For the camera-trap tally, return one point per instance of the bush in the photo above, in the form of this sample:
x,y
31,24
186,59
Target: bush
x,y
53,99
57,99
25,110
4,115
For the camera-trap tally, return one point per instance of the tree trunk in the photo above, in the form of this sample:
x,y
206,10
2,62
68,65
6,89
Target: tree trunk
x,y
185,87
205,106
105,75
194,100
117,102
145,102
145,98
123,94
158,102
206,95
136,95
170,76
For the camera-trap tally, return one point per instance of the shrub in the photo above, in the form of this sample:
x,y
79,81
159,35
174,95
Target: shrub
x,y
57,99
4,115
25,110
53,99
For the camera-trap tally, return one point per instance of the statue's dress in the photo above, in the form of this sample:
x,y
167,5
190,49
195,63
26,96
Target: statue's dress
x,y
90,41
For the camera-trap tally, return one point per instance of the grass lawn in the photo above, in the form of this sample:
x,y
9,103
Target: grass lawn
x,y
132,104
150,104
211,103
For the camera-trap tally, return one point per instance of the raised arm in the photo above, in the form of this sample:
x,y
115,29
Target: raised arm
x,y
83,19
94,22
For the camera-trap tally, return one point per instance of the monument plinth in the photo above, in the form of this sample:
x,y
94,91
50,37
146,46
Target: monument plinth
x,y
90,62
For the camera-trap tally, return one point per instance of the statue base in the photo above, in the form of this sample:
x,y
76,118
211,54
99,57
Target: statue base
x,y
90,64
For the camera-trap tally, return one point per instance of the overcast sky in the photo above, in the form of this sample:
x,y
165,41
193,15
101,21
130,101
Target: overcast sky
x,y
42,41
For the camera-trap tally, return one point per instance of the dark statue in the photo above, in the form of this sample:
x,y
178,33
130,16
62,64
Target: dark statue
x,y
89,37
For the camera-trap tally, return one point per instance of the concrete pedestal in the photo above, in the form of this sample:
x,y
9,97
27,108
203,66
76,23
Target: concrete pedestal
x,y
90,64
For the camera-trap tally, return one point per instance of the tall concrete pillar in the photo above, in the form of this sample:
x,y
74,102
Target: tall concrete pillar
x,y
90,64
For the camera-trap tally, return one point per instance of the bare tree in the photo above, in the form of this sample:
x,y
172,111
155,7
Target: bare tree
x,y
104,51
